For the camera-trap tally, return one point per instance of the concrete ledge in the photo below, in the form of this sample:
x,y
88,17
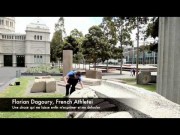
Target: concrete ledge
x,y
146,102
90,81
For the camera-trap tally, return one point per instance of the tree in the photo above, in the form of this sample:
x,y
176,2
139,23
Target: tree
x,y
152,30
57,42
71,44
78,36
137,22
94,45
124,30
117,29
109,31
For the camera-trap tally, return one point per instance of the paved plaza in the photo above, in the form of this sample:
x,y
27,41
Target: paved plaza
x,y
7,74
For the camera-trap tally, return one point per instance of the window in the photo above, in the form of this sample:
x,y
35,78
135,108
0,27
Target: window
x,y
41,60
2,36
38,59
12,37
35,37
40,37
7,23
0,22
34,58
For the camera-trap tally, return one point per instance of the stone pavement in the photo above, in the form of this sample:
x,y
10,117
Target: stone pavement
x,y
7,74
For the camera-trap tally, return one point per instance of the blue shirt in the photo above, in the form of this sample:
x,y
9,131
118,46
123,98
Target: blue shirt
x,y
72,73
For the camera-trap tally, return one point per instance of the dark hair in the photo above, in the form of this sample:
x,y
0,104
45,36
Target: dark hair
x,y
78,73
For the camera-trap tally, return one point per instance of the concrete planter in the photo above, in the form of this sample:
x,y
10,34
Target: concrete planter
x,y
94,74
40,74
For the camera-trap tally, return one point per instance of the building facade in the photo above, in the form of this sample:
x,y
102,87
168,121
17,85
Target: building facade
x,y
145,57
24,50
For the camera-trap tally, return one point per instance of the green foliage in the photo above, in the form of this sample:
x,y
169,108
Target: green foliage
x,y
78,58
57,43
152,30
44,68
95,45
71,44
153,27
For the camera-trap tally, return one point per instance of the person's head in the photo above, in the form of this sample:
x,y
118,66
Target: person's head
x,y
78,74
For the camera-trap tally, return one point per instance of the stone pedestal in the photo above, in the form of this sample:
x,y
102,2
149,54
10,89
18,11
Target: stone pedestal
x,y
67,61
144,77
168,75
94,74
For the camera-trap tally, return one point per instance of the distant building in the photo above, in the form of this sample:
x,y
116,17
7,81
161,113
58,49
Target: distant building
x,y
145,57
24,50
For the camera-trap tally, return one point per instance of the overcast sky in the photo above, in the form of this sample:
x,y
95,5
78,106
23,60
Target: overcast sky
x,y
81,23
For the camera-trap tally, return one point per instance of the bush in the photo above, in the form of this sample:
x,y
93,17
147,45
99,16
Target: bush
x,y
44,69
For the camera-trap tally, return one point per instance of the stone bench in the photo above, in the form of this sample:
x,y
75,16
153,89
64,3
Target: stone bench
x,y
39,86
50,85
44,84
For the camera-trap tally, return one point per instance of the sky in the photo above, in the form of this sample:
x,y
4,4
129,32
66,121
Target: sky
x,y
81,23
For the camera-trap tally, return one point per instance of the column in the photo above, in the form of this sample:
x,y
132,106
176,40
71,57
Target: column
x,y
14,60
67,61
168,79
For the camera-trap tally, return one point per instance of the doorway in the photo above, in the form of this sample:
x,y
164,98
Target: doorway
x,y
20,59
8,60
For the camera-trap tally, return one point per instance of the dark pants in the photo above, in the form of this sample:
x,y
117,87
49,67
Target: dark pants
x,y
71,83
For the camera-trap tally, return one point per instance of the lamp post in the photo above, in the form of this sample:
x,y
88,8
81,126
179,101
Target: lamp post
x,y
133,56
144,56
58,62
137,50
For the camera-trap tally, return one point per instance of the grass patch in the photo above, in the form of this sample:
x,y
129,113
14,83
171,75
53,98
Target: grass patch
x,y
19,91
33,114
132,81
